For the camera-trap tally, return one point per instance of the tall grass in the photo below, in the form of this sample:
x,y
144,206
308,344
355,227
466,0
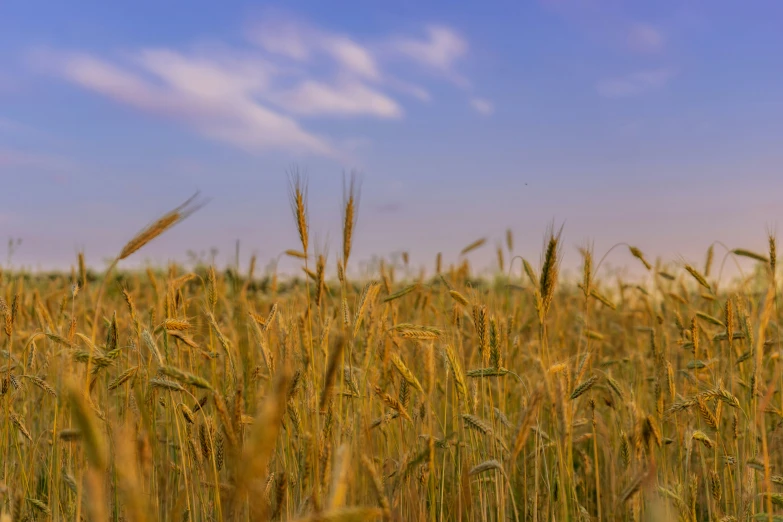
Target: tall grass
x,y
207,395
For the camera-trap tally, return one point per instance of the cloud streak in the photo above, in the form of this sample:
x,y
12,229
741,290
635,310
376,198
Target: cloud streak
x,y
438,51
482,106
260,97
215,98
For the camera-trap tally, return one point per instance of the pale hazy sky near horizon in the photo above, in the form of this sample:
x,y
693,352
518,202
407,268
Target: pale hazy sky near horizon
x,y
657,123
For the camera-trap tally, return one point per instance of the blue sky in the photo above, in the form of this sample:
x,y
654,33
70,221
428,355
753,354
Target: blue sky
x,y
658,123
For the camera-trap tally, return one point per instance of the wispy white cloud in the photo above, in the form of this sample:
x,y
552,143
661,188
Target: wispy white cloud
x,y
297,40
644,38
347,98
258,97
352,57
635,83
284,36
416,91
482,106
212,95
438,51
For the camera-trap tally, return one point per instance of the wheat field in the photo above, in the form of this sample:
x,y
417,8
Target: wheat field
x,y
205,394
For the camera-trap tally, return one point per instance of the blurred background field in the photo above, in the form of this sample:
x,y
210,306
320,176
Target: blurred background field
x,y
207,393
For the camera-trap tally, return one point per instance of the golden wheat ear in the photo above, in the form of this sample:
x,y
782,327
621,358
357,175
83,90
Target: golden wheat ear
x,y
162,224
550,268
351,197
146,235
297,194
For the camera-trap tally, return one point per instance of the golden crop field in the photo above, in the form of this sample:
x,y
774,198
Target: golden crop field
x,y
211,395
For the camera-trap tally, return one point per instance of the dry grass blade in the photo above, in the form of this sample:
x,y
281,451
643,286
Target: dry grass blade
x,y
473,246
297,191
296,253
401,293
84,417
710,319
181,280
698,277
166,385
458,297
488,372
45,386
615,387
331,370
69,435
635,252
456,371
392,403
225,417
187,413
97,501
531,274
528,417
414,331
703,438
741,252
224,342
259,333
583,387
266,427
633,487
271,317
726,396
185,377
349,514
477,424
60,340
707,415
187,341
146,235
178,325
377,485
159,226
487,465
129,479
339,487
596,336
595,294
39,505
17,420
550,270
351,196
152,346
369,293
405,372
